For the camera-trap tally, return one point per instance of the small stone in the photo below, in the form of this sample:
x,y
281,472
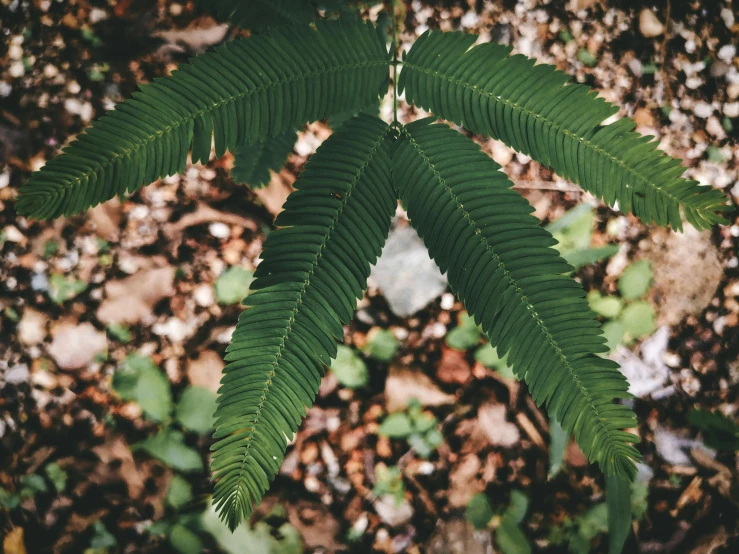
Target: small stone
x,y
447,301
76,346
4,178
50,71
219,230
174,329
17,374
727,52
703,110
73,87
714,127
391,512
5,89
408,278
15,52
97,15
728,16
649,25
730,110
492,421
203,295
32,327
732,91
17,70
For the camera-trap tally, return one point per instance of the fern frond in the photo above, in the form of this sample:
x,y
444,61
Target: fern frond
x,y
313,271
244,91
500,263
253,163
532,109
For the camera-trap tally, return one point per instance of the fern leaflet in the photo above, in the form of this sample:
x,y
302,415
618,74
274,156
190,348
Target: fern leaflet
x,y
530,108
313,271
500,263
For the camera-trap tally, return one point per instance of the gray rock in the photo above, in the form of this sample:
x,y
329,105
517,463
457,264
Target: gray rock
x,y
408,278
17,374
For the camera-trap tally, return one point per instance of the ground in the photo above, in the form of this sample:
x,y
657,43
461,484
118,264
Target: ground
x,y
113,324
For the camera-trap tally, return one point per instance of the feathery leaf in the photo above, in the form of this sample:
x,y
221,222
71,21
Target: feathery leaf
x,y
244,91
253,163
313,271
532,109
500,263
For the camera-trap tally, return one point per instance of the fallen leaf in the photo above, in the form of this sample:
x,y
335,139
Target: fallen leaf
x,y
13,542
76,346
492,420
124,468
403,385
453,367
463,481
132,300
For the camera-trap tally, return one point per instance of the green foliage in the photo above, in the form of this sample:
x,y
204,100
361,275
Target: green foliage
x,y
57,476
102,538
244,91
719,431
416,426
574,231
533,109
305,290
465,335
509,536
389,482
478,511
168,446
253,164
232,285
140,380
625,502
179,492
62,288
195,409
349,368
635,280
245,94
381,344
261,538
539,317
120,332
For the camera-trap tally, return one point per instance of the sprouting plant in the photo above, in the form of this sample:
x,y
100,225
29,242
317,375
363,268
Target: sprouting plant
x,y
499,260
419,428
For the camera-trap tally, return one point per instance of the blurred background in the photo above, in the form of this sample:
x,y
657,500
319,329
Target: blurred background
x,y
113,324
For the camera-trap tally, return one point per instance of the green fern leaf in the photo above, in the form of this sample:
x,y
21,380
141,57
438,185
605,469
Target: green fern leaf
x,y
313,271
532,109
244,91
500,262
253,163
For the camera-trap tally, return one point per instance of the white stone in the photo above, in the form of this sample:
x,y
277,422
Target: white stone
x,y
16,70
76,346
703,109
203,296
730,110
219,230
727,52
649,25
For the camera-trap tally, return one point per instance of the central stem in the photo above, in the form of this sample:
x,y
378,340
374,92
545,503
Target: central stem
x,y
395,65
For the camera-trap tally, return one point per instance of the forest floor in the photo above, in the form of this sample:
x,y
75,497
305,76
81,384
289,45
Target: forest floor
x,y
113,324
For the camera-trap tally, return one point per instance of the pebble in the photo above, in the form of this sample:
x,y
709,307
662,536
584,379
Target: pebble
x,y
76,346
728,16
703,109
17,374
5,89
730,110
219,230
50,71
727,52
649,25
4,177
714,127
447,301
203,296
17,70
32,327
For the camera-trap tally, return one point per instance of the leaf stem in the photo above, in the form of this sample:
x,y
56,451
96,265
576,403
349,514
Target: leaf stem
x,y
395,65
